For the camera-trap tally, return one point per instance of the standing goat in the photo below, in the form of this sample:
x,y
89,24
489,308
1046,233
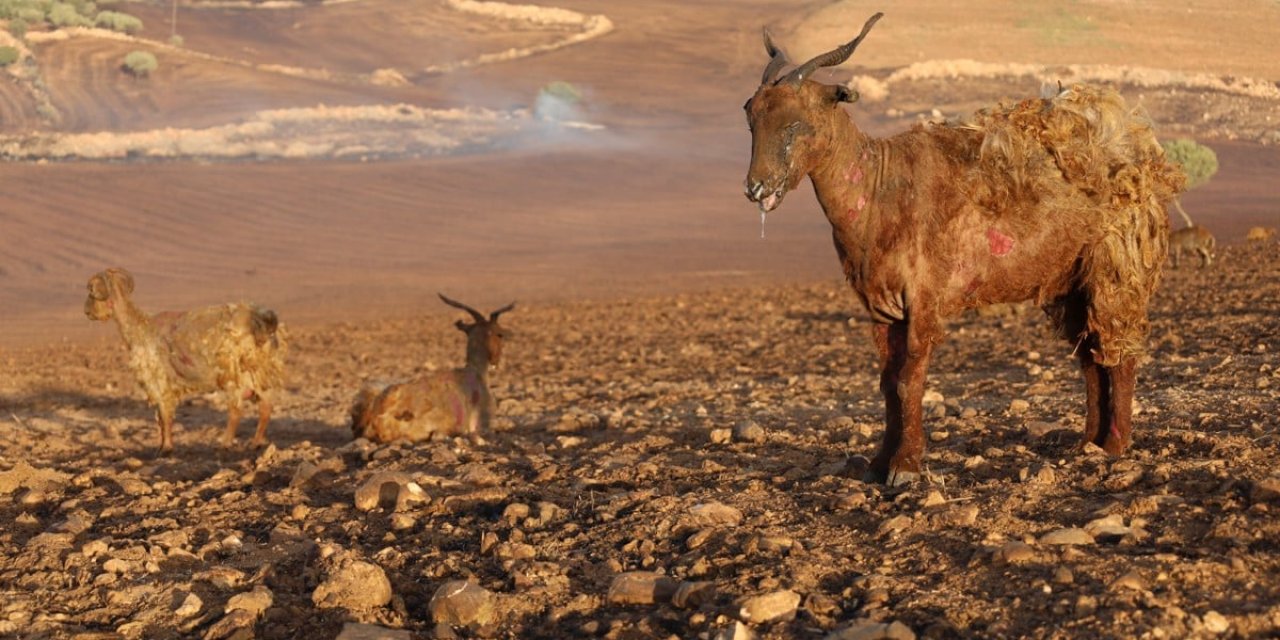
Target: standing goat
x,y
238,349
1193,240
1058,200
444,403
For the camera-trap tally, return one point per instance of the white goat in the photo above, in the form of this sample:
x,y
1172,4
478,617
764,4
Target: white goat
x,y
237,348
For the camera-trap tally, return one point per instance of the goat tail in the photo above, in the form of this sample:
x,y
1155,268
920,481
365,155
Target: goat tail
x,y
361,414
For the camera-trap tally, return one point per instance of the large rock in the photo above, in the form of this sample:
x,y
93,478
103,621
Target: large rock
x,y
779,605
641,587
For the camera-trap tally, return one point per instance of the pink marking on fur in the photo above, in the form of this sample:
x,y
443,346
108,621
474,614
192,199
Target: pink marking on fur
x,y
851,214
999,243
1115,433
862,202
459,411
855,174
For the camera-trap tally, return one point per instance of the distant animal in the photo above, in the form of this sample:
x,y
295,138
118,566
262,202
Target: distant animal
x,y
1193,240
1260,234
238,349
442,403
1060,200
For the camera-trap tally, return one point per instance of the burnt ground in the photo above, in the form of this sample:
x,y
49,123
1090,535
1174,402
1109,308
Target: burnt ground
x,y
618,420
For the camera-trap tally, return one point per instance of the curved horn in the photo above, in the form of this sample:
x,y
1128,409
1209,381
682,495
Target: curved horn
x,y
479,317
493,317
832,57
777,59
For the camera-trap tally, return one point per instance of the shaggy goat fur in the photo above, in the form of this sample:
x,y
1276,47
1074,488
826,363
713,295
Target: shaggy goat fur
x,y
237,349
1059,200
442,403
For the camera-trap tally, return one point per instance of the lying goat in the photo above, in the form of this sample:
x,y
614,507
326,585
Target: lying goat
x,y
443,403
237,349
1058,200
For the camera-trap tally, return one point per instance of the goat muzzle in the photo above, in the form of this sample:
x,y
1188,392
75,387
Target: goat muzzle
x,y
767,198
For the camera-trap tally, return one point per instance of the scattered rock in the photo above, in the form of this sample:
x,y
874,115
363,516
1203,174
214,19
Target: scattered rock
x,y
358,631
721,436
1019,406
1266,490
353,584
1067,536
691,595
748,432
641,587
737,631
1215,622
1131,580
461,603
714,513
391,488
1108,528
236,625
871,630
255,602
779,605
1015,552
190,607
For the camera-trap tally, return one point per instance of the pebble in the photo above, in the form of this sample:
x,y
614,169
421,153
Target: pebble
x,y
1015,552
1038,429
778,605
1215,622
895,524
461,603
255,602
354,585
721,436
641,587
738,631
748,432
1019,406
1266,490
190,607
1131,580
714,513
359,631
1108,529
392,488
237,624
872,630
1063,575
1067,536
692,595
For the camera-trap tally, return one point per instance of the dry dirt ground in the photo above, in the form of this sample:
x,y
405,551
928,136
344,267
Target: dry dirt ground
x,y
680,399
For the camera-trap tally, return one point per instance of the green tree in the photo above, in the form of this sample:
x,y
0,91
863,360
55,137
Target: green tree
x,y
1199,162
116,21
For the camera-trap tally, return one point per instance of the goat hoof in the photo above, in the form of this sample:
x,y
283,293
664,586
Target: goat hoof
x,y
890,478
258,443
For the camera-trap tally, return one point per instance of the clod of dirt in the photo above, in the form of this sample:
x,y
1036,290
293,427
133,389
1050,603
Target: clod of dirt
x,y
641,587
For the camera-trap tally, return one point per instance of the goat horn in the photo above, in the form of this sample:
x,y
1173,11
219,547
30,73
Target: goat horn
x,y
479,317
493,317
777,59
832,57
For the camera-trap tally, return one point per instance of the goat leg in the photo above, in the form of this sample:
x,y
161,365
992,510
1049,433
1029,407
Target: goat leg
x,y
902,384
233,421
1119,433
1097,386
264,416
164,418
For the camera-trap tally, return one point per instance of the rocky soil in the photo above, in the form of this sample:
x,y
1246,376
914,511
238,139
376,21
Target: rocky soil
x,y
672,467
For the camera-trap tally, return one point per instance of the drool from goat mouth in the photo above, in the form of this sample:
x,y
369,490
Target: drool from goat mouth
x,y
763,213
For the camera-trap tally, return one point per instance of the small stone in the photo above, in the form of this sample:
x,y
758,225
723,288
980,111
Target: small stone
x,y
968,413
1067,536
934,499
190,607
641,587
389,488
1266,490
1015,552
721,436
237,625
255,602
1108,529
354,585
402,521
738,631
1063,575
1037,429
895,524
779,605
748,432
714,513
1131,580
359,631
1215,622
872,630
461,603
1019,406
691,595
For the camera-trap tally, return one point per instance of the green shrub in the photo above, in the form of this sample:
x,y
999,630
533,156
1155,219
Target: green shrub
x,y
8,55
18,28
116,21
1198,161
140,64
64,14
177,40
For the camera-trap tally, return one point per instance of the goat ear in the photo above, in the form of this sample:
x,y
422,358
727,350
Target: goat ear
x,y
838,93
462,326
122,278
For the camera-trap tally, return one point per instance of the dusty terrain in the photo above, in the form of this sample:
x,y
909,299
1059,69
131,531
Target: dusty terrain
x,y
680,398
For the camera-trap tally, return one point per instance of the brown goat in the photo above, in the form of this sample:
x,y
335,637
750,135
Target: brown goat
x,y
1194,240
443,403
237,349
1058,200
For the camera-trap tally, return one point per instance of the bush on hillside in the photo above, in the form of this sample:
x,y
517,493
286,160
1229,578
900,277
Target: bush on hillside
x,y
65,14
8,55
140,64
116,21
18,28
